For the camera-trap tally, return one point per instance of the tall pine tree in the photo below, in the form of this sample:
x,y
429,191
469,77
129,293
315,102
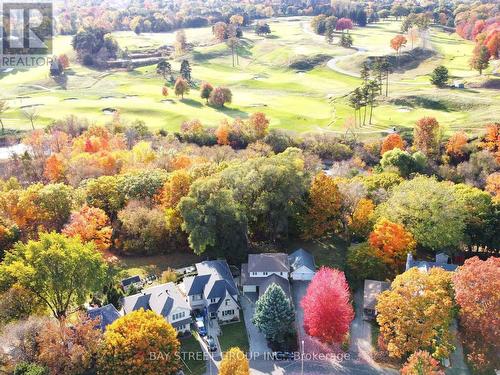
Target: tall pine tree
x,y
274,314
186,70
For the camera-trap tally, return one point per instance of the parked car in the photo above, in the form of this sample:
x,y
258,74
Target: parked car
x,y
211,344
200,326
284,356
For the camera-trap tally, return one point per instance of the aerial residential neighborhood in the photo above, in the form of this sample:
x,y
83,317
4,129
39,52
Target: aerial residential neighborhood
x,y
250,187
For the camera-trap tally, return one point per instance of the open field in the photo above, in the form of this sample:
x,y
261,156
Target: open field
x,y
293,100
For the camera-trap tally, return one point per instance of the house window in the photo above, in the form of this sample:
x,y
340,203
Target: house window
x,y
265,273
227,302
178,315
213,300
254,273
227,312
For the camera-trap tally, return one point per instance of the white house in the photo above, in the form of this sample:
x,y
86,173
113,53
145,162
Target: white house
x,y
302,265
260,267
213,291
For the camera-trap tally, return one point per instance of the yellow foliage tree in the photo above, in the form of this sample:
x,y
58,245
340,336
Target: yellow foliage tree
x,y
234,362
133,340
360,223
415,314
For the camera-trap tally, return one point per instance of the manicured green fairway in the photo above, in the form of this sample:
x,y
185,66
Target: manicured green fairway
x,y
263,81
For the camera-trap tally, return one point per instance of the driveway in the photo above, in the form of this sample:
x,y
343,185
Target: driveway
x,y
361,334
257,341
299,289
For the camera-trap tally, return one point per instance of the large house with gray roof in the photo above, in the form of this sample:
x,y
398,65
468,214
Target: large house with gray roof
x,y
213,291
442,261
164,299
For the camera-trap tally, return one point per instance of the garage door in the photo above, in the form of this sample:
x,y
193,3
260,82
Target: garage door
x,y
302,276
249,288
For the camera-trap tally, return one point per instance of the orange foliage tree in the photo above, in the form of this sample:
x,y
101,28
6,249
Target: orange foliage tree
x,y
398,42
234,362
426,136
421,363
392,141
222,133
90,224
54,169
259,124
477,292
493,184
324,214
392,242
491,140
455,147
130,340
361,221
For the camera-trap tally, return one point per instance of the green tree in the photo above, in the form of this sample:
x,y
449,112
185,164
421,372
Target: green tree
x,y
205,90
105,193
330,24
439,76
164,69
3,107
364,263
60,271
400,161
346,40
214,220
429,210
26,368
143,185
274,315
186,70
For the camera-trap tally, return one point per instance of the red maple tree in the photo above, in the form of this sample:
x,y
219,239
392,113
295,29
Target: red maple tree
x,y
327,310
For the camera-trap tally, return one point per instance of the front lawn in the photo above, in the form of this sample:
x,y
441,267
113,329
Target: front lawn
x,y
234,334
192,356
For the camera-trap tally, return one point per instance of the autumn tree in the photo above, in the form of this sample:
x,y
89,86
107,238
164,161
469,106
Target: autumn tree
x,y
416,313
493,185
398,42
180,44
59,270
234,362
274,315
390,142
90,224
413,35
222,132
205,90
259,124
69,348
427,209
327,310
426,136
129,340
3,108
324,213
480,58
54,169
364,263
344,24
392,242
18,303
477,286
220,31
422,363
181,87
456,145
105,193
220,96
175,188
361,221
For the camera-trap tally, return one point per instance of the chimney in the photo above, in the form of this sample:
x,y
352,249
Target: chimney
x,y
409,261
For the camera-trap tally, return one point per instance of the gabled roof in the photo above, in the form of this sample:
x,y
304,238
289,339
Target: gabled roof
x,y
268,262
275,279
372,290
106,314
130,280
441,262
162,299
301,258
213,280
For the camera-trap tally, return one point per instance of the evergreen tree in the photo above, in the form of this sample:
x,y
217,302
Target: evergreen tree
x,y
346,40
274,315
186,70
365,72
164,69
439,76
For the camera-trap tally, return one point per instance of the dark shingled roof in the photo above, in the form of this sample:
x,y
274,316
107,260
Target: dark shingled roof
x,y
213,280
161,299
301,258
130,280
268,262
275,279
106,314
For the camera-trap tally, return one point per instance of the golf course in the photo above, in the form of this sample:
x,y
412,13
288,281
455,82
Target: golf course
x,y
266,79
